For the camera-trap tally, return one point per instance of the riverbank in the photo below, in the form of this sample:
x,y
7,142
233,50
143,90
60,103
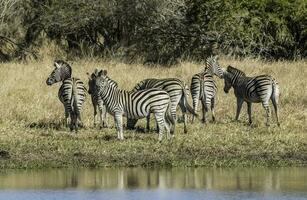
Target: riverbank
x,y
32,134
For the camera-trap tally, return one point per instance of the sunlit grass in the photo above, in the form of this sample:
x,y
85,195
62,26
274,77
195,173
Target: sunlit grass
x,y
33,134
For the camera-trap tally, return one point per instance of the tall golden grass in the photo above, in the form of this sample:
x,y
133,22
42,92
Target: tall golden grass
x,y
31,116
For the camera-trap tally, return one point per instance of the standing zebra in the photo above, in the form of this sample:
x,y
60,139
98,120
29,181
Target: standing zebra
x,y
71,92
203,87
252,90
178,95
134,105
97,100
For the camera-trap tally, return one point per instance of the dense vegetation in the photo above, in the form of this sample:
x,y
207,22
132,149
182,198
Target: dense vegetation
x,y
160,31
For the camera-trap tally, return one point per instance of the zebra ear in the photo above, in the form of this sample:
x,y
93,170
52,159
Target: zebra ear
x,y
88,75
216,57
57,65
105,72
100,73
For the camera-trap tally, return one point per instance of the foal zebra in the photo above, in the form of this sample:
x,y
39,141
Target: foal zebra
x,y
178,95
71,92
252,90
203,87
96,99
134,105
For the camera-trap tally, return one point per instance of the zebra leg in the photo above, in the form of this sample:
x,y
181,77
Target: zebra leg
x,y
68,121
249,112
195,105
239,106
160,120
212,109
274,101
118,118
184,115
73,122
95,114
80,120
205,110
148,123
103,117
105,124
268,112
174,115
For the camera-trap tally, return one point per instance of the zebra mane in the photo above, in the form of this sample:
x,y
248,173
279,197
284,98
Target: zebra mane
x,y
207,69
233,70
62,63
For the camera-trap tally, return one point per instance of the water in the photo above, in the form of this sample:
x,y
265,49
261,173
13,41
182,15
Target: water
x,y
140,183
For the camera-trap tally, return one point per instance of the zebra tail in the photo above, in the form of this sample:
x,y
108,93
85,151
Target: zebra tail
x,y
74,101
276,91
168,115
184,99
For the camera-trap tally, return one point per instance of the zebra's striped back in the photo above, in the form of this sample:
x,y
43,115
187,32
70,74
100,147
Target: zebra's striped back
x,y
171,85
72,94
203,86
177,92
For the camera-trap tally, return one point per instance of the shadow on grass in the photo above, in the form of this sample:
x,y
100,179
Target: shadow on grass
x,y
47,124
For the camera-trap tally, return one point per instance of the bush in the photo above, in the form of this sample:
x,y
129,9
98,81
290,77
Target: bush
x,y
160,31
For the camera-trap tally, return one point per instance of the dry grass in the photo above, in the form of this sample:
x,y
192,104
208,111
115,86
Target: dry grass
x,y
32,133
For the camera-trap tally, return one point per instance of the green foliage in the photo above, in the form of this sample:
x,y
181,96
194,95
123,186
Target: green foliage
x,y
161,31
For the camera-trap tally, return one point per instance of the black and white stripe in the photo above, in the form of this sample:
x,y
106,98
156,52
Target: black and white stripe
x,y
71,93
203,88
134,105
257,89
177,92
97,100
214,66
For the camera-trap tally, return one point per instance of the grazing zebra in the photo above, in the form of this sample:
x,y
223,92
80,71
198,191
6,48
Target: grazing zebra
x,y
71,92
134,105
96,99
252,90
178,95
203,87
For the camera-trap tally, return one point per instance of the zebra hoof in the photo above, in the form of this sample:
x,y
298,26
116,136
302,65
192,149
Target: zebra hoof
x,y
160,137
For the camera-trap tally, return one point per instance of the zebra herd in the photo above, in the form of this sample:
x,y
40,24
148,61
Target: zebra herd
x,y
160,97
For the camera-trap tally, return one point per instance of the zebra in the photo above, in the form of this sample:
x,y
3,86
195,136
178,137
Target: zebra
x,y
255,89
214,66
204,88
178,95
96,99
134,104
71,93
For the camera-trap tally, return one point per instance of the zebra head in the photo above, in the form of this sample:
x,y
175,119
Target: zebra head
x,y
61,72
91,81
140,85
231,76
101,81
214,67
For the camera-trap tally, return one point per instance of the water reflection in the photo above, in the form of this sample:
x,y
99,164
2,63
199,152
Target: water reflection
x,y
263,179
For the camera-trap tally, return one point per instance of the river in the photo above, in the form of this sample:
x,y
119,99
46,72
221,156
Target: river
x,y
152,183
